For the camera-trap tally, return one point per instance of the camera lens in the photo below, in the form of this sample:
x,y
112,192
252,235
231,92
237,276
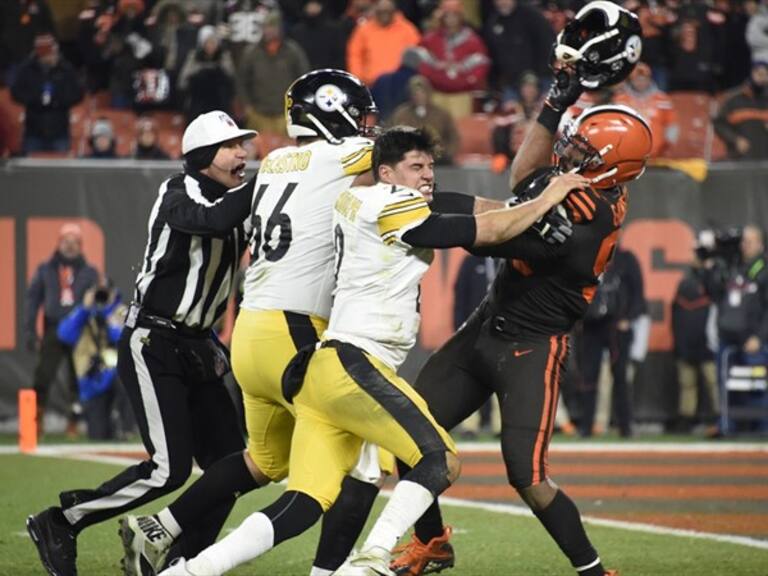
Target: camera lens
x,y
101,296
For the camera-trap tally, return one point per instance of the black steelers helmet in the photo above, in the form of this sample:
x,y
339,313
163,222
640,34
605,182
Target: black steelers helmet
x,y
328,103
602,43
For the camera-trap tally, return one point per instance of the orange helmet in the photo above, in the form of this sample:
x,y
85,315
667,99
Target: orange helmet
x,y
609,144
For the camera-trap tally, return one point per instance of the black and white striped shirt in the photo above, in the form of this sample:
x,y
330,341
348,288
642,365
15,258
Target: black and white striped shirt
x,y
197,234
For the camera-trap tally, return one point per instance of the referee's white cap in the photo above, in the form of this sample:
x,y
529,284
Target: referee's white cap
x,y
212,128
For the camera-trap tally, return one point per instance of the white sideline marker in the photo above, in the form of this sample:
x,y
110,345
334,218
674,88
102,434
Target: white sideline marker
x,y
90,452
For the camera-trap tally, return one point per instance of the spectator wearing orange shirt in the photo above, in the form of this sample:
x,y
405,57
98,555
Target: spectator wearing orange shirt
x,y
376,45
641,93
455,60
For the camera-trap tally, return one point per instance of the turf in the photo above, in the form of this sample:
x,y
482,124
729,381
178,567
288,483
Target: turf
x,y
487,544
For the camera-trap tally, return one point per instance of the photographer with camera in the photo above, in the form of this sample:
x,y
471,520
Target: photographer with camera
x,y
693,334
737,281
92,329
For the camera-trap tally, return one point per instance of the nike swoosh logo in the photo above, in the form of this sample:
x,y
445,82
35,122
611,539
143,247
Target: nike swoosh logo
x,y
519,353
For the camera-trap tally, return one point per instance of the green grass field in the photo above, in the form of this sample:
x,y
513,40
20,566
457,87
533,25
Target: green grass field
x,y
487,543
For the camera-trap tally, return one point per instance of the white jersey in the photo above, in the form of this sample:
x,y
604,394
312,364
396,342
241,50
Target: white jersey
x,y
292,244
376,300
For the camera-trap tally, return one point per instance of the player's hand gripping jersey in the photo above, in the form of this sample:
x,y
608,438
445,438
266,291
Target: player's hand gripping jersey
x,y
376,305
545,288
291,246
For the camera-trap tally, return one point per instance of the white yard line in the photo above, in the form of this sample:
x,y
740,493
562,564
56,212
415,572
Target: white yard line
x,y
693,447
94,453
515,510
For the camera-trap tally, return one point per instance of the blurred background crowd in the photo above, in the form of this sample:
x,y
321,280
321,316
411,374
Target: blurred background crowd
x,y
120,78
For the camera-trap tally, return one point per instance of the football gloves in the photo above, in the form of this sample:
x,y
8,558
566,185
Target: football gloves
x,y
554,227
564,91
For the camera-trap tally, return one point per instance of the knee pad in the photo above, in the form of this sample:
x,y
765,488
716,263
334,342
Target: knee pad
x,y
431,472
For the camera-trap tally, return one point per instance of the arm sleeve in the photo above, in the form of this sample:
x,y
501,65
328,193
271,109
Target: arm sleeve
x,y
34,300
113,333
443,231
723,128
71,326
452,203
216,219
527,246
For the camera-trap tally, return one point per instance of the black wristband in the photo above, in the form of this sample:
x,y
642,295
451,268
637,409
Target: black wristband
x,y
549,118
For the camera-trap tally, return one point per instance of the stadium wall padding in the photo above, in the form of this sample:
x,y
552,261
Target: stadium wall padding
x,y
112,201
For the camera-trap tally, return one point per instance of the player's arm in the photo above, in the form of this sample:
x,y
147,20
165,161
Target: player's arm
x,y
536,149
493,227
216,219
458,203
499,226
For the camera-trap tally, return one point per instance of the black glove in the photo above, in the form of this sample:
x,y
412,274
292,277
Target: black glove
x,y
564,91
554,227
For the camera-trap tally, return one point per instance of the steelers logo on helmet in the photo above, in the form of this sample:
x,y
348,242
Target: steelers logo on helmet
x,y
329,98
634,49
331,104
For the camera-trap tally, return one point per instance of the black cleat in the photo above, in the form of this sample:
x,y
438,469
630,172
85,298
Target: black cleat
x,y
55,540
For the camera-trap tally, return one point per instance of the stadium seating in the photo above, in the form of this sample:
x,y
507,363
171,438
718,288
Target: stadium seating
x,y
694,111
475,132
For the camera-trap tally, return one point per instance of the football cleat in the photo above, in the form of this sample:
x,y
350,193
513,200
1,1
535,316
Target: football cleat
x,y
146,544
56,541
416,558
373,562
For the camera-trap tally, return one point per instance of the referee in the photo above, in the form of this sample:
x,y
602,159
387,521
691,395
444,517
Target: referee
x,y
169,359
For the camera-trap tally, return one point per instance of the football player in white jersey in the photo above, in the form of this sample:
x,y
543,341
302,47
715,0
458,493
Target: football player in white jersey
x,y
286,304
346,390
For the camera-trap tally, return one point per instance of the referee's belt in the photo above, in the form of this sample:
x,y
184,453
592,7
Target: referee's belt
x,y
138,317
293,377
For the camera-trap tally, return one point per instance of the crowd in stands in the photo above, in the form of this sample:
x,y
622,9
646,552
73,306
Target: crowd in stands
x,y
475,71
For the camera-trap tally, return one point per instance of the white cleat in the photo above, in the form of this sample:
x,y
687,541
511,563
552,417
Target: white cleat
x,y
373,562
146,544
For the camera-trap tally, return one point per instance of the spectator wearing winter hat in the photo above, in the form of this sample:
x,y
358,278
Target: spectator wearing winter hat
x,y
455,60
47,86
207,79
102,140
146,146
757,33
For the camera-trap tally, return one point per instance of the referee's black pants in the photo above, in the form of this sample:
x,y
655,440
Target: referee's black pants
x,y
183,412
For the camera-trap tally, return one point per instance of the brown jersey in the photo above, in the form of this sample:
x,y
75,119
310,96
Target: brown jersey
x,y
545,289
